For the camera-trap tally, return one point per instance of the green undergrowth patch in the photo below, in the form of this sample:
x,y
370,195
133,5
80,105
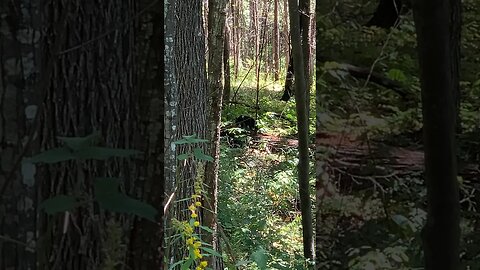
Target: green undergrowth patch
x,y
258,207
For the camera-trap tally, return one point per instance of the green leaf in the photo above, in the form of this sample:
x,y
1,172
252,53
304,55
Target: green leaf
x,y
260,258
397,75
190,140
182,141
102,153
107,194
175,264
77,143
242,263
198,153
60,203
331,65
121,203
183,156
53,156
211,251
206,229
186,265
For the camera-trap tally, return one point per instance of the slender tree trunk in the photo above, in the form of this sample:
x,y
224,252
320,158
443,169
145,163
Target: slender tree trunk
x,y
318,157
276,42
302,124
226,65
304,6
216,42
286,34
437,36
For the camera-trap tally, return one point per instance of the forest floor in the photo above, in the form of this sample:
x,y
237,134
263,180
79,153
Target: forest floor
x,y
355,159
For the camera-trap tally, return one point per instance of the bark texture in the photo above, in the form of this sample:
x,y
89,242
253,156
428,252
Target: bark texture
x,y
20,39
146,249
216,25
69,68
191,112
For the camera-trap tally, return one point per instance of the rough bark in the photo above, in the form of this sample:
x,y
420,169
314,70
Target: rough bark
x,y
89,83
216,23
171,97
302,124
20,39
146,247
191,114
437,36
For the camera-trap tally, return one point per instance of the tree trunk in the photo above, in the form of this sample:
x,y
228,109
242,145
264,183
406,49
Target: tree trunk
x,y
302,124
191,104
20,103
87,85
437,36
146,247
304,7
276,42
226,65
216,29
87,80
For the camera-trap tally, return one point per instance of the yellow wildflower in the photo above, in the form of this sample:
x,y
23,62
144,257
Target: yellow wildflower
x,y
198,204
194,215
196,253
203,264
196,223
188,229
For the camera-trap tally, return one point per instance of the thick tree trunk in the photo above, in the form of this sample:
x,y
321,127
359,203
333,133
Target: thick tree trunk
x,y
302,124
191,106
437,35
92,87
20,103
87,80
146,247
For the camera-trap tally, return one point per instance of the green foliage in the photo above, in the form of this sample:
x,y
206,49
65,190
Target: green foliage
x,y
388,235
106,190
197,152
109,198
